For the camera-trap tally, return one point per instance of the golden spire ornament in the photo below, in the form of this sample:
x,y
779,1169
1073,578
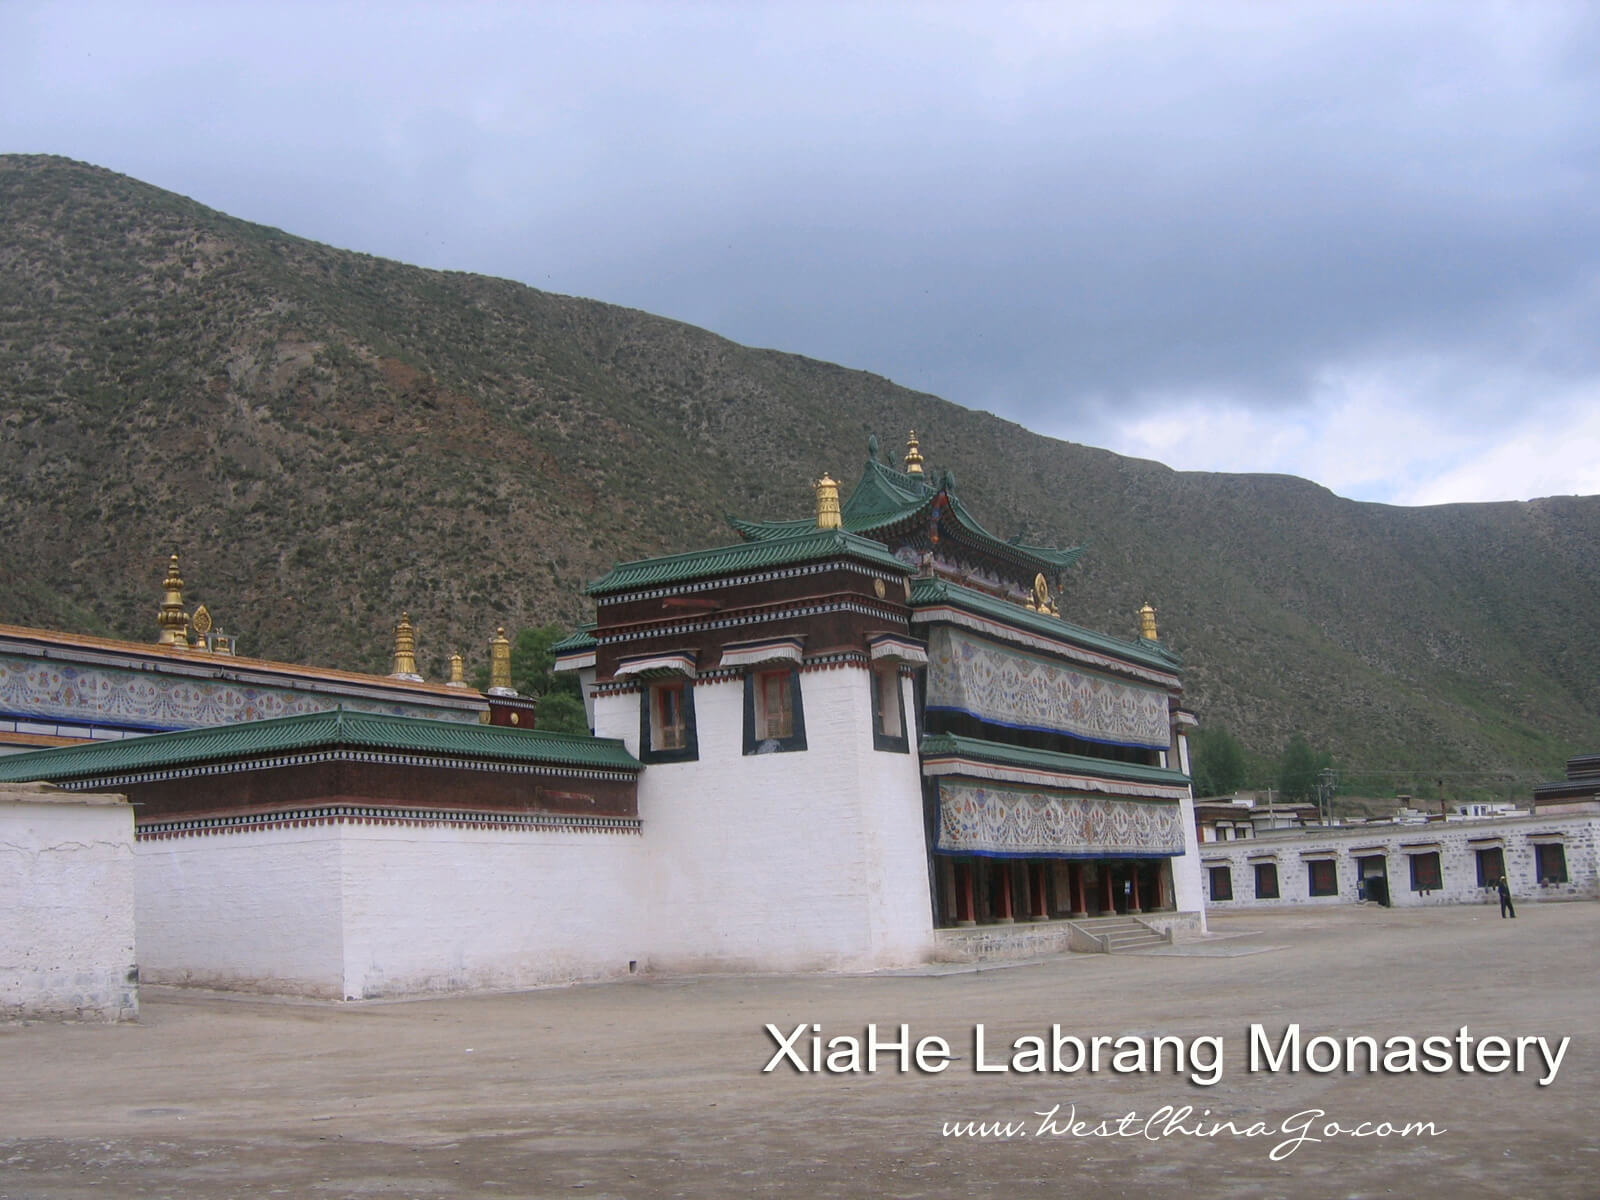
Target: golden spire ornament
x,y
405,650
172,620
828,503
500,664
458,675
913,454
1147,623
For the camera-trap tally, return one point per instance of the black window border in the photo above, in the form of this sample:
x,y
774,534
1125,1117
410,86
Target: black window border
x,y
1488,879
1277,887
881,740
1431,881
1311,877
691,734
1540,852
797,738
1226,873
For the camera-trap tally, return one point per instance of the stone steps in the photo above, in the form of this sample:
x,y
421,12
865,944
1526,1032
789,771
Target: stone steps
x,y
1122,935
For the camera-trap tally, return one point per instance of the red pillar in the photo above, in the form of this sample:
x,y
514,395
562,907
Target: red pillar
x,y
1110,897
1006,914
1135,900
1075,874
1041,905
966,912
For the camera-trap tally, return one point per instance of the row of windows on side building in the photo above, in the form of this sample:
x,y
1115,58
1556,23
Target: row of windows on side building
x,y
1322,874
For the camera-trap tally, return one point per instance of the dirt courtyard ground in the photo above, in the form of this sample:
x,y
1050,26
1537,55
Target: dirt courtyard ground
x,y
654,1087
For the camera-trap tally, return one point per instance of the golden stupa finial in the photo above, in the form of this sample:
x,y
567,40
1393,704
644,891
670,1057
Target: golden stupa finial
x,y
172,620
405,650
458,673
828,502
500,664
913,454
1147,623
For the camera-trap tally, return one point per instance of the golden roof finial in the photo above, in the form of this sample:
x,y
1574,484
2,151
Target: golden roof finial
x,y
913,454
828,502
500,664
405,650
1147,623
458,676
201,624
172,620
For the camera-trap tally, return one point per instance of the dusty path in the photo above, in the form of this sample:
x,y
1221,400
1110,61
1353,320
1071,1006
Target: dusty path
x,y
654,1087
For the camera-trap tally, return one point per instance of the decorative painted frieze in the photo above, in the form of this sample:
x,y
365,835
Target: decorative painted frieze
x,y
980,819
1009,687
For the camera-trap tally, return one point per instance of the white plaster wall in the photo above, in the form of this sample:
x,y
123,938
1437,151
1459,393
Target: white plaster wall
x,y
805,860
67,899
1457,841
1188,882
255,911
436,909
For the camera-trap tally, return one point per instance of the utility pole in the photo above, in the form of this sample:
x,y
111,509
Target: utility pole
x,y
1326,782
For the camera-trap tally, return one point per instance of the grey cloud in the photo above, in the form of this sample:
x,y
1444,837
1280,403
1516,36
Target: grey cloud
x,y
1050,210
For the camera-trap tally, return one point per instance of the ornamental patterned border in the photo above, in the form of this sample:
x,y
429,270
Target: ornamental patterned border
x,y
760,618
201,770
936,766
350,814
1010,822
822,662
109,695
1010,687
681,589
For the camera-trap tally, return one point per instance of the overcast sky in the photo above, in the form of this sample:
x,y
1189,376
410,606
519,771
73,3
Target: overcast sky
x,y
1358,243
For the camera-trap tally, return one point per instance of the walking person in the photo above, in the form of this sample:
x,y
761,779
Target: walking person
x,y
1507,909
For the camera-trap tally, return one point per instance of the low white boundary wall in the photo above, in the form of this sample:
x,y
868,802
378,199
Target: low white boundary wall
x,y
66,906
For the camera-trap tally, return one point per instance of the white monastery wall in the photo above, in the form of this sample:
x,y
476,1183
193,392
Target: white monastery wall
x,y
1188,881
1456,842
436,908
243,910
67,895
803,860
360,909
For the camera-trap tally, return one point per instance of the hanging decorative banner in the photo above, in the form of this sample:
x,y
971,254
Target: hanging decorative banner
x,y
1009,687
981,819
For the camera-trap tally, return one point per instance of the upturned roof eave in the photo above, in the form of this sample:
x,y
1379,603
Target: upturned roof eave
x,y
810,545
330,729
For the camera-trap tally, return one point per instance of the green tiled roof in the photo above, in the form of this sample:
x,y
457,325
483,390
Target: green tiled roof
x,y
885,497
808,544
334,728
926,593
949,745
581,638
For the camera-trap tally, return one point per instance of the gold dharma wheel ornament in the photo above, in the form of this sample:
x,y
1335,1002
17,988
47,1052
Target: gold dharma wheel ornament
x,y
1041,593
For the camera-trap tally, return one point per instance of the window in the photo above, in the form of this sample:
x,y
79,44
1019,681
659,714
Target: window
x,y
888,712
1266,881
666,722
1323,875
1221,883
774,720
1491,865
1425,876
1551,860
